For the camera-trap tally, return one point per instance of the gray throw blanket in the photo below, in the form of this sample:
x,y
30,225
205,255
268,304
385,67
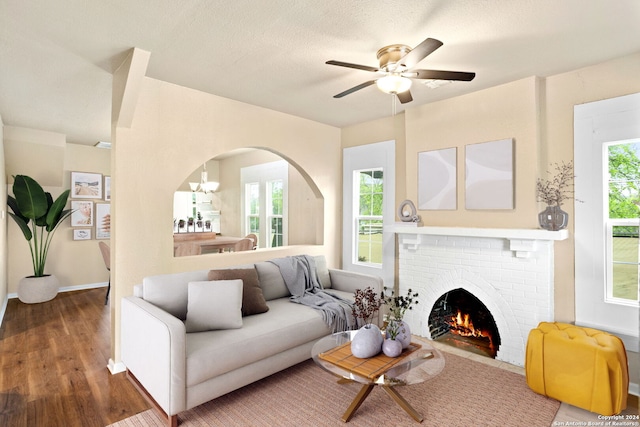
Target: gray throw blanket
x,y
301,277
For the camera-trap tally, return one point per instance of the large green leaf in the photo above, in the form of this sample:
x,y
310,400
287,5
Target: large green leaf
x,y
11,201
55,214
23,226
30,197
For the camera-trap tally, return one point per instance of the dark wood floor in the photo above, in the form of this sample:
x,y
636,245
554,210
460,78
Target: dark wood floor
x,y
53,365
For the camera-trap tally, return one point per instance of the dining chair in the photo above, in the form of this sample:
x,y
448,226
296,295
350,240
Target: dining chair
x,y
106,256
255,240
188,248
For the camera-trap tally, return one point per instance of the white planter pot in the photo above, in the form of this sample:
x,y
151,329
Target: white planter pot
x,y
33,290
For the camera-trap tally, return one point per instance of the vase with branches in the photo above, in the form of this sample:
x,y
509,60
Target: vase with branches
x,y
366,304
553,192
391,346
367,341
398,306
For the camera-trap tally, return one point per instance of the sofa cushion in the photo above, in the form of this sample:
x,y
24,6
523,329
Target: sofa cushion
x,y
213,305
253,301
169,291
266,334
285,326
271,281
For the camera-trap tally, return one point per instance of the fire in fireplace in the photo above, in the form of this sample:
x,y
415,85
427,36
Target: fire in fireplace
x,y
460,319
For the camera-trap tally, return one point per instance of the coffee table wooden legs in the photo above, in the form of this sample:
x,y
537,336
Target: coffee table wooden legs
x,y
402,402
361,396
364,392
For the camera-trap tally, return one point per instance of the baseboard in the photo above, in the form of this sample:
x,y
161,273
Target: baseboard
x,y
634,389
116,367
70,288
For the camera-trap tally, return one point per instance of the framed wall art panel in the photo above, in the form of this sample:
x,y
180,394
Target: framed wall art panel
x,y
489,175
437,179
82,234
82,215
103,220
86,185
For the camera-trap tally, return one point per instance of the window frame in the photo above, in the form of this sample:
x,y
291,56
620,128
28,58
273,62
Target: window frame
x,y
357,217
262,174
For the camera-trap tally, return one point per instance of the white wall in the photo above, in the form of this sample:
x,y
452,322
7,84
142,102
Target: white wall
x,y
3,227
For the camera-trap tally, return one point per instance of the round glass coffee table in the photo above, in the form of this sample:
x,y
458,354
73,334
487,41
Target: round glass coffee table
x,y
420,365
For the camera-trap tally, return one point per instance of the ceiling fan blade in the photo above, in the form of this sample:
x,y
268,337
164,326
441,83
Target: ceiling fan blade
x,y
355,88
404,97
418,53
356,66
442,75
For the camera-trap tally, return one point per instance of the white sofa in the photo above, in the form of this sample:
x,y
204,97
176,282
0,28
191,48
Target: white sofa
x,y
180,370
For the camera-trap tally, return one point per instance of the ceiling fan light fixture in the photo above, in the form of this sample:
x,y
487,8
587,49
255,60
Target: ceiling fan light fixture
x,y
393,84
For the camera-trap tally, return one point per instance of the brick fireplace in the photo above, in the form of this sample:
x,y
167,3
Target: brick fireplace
x,y
510,271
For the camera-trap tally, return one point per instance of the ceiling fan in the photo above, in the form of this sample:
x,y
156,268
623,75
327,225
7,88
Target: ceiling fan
x,y
396,66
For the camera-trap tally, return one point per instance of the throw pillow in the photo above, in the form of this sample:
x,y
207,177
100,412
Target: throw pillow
x,y
253,301
214,305
271,281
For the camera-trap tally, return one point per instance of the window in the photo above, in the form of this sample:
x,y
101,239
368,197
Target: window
x,y
605,185
275,218
265,202
623,185
252,194
368,220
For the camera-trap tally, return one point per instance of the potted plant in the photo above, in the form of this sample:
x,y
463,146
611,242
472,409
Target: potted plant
x,y
38,216
398,305
367,342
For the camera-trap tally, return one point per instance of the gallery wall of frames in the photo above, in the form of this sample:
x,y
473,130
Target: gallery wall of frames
x,y
90,201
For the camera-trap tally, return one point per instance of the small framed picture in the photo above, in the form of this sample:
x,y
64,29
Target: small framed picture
x,y
82,215
82,234
103,220
86,185
107,188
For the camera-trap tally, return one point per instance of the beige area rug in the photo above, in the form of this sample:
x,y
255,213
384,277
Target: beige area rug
x,y
465,394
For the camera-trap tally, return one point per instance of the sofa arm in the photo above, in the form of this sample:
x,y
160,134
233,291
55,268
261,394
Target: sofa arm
x,y
153,350
349,281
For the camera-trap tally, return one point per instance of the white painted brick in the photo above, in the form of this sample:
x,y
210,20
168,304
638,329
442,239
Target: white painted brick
x,y
485,264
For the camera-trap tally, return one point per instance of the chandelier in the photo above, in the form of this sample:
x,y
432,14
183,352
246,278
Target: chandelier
x,y
204,186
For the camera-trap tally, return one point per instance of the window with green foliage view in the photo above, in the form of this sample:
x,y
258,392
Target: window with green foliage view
x,y
369,216
275,192
622,222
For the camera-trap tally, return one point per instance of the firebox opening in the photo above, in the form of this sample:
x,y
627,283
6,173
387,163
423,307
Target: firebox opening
x,y
461,320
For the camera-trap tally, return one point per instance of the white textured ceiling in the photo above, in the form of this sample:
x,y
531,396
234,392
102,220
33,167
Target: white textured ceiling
x,y
56,57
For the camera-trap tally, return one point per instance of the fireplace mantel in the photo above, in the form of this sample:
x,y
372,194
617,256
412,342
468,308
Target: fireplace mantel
x,y
511,271
522,241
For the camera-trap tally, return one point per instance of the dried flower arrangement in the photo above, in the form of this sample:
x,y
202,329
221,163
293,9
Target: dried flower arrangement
x,y
398,305
559,188
367,302
393,329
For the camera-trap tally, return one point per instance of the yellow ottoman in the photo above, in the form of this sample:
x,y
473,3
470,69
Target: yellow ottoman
x,y
584,367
